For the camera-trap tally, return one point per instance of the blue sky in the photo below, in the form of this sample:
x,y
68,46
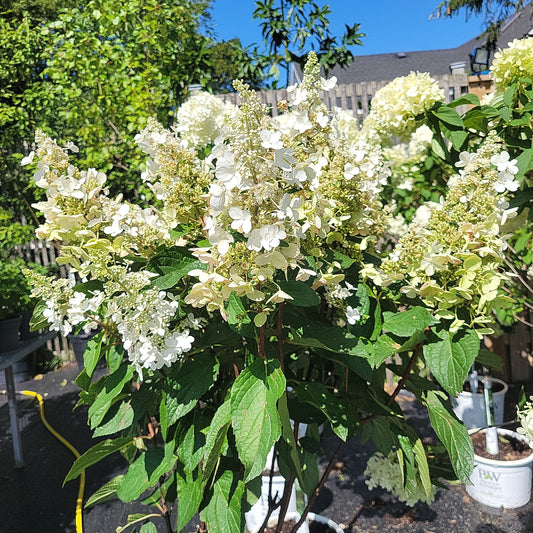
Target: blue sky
x,y
390,25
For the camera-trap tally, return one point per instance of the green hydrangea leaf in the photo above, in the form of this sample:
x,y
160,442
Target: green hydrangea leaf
x,y
452,433
450,356
254,413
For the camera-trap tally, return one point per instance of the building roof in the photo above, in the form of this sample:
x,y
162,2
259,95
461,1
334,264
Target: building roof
x,y
380,67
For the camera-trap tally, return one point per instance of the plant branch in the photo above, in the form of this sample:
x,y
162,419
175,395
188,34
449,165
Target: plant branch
x,y
520,277
520,319
285,502
405,375
273,502
280,336
261,345
319,487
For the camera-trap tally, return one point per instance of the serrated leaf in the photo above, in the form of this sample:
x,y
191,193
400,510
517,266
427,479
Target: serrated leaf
x,y
190,492
449,115
406,323
185,386
254,414
408,464
119,417
450,355
287,448
218,334
95,454
149,527
216,437
422,466
190,440
223,511
112,387
452,433
172,265
92,353
489,360
466,99
303,295
382,349
238,317
145,471
105,492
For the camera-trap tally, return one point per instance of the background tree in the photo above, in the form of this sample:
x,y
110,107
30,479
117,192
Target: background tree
x,y
94,72
292,28
494,11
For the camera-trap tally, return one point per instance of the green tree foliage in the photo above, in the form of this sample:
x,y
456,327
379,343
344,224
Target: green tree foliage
x,y
95,72
292,28
112,66
494,11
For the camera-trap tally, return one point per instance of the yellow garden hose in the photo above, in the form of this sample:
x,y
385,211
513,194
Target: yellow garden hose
x,y
79,501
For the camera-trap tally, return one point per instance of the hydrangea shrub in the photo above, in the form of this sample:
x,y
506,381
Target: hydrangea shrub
x,y
260,290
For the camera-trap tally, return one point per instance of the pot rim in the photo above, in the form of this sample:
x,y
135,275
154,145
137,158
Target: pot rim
x,y
312,517
503,464
319,519
494,393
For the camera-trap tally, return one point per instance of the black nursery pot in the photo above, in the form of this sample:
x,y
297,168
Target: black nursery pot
x,y
79,344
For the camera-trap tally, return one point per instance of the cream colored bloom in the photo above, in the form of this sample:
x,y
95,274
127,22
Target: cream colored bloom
x,y
513,62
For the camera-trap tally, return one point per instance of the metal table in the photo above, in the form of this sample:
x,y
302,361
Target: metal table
x,y
7,360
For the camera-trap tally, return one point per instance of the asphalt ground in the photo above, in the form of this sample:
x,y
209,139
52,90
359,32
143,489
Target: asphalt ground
x,y
33,499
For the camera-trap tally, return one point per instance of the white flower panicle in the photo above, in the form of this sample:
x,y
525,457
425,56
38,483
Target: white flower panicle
x,y
450,255
201,118
396,106
525,417
515,61
386,472
279,186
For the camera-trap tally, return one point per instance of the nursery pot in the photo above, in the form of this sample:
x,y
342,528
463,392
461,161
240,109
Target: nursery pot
x,y
9,334
470,406
79,345
256,515
312,518
497,483
25,332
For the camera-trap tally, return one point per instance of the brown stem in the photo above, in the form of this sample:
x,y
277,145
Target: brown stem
x,y
261,346
319,487
235,367
273,502
285,502
405,375
401,383
280,336
168,522
520,277
520,319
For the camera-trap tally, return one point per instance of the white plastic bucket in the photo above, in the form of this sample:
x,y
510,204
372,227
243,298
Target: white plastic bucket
x,y
504,484
256,515
470,406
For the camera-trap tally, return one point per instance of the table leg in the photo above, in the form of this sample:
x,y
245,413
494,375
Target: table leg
x,y
13,416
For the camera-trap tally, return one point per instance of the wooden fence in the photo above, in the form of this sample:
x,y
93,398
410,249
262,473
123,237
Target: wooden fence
x,y
357,97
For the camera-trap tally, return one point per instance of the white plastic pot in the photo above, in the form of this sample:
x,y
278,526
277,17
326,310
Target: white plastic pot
x,y
256,515
470,406
504,484
311,517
